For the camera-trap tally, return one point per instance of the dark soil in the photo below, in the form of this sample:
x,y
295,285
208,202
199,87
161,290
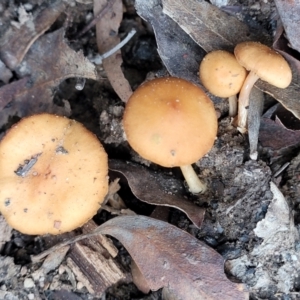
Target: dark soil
x,y
238,193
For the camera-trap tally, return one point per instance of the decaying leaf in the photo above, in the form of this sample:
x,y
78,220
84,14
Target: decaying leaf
x,y
16,41
157,189
107,37
179,52
49,61
211,27
274,134
289,12
174,259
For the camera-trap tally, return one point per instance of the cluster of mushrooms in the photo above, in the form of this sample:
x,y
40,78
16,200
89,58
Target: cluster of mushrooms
x,y
225,75
54,172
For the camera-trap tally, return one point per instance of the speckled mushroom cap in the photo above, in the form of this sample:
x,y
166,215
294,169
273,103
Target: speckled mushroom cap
x,y
53,175
268,64
221,74
170,122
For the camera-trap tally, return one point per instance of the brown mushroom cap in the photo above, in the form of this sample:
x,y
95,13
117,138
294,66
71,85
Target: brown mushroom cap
x,y
266,63
53,175
170,121
221,74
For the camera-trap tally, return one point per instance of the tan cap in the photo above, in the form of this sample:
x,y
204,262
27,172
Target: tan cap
x,y
170,121
266,63
53,175
221,74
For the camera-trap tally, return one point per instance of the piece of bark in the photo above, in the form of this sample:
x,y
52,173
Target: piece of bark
x,y
95,270
100,242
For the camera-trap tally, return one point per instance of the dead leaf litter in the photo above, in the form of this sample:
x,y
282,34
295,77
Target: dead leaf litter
x,y
248,219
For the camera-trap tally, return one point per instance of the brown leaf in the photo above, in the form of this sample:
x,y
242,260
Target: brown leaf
x,y
179,52
157,189
274,135
281,45
289,12
16,42
49,61
211,27
107,37
170,257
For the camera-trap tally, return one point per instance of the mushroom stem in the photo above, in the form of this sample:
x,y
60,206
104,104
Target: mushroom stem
x,y
232,105
243,101
195,185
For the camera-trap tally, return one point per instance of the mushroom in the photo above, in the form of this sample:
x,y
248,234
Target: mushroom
x,y
264,63
171,122
53,175
222,76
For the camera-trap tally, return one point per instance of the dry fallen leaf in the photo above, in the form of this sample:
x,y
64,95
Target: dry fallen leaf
x,y
175,259
168,257
210,27
157,189
107,37
49,61
274,134
16,41
289,12
179,52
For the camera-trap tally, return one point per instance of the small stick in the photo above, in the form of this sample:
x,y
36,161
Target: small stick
x,y
38,257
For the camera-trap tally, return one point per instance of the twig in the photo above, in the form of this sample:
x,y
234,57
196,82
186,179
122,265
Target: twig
x,y
102,12
38,257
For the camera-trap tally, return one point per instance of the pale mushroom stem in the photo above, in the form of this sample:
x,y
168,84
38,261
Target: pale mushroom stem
x,y
195,185
232,106
243,101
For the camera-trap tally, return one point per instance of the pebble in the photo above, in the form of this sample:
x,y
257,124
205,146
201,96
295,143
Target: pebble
x,y
30,296
3,287
23,271
80,285
28,283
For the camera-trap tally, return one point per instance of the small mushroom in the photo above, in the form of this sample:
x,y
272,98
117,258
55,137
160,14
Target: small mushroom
x,y
223,76
264,63
171,122
53,175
